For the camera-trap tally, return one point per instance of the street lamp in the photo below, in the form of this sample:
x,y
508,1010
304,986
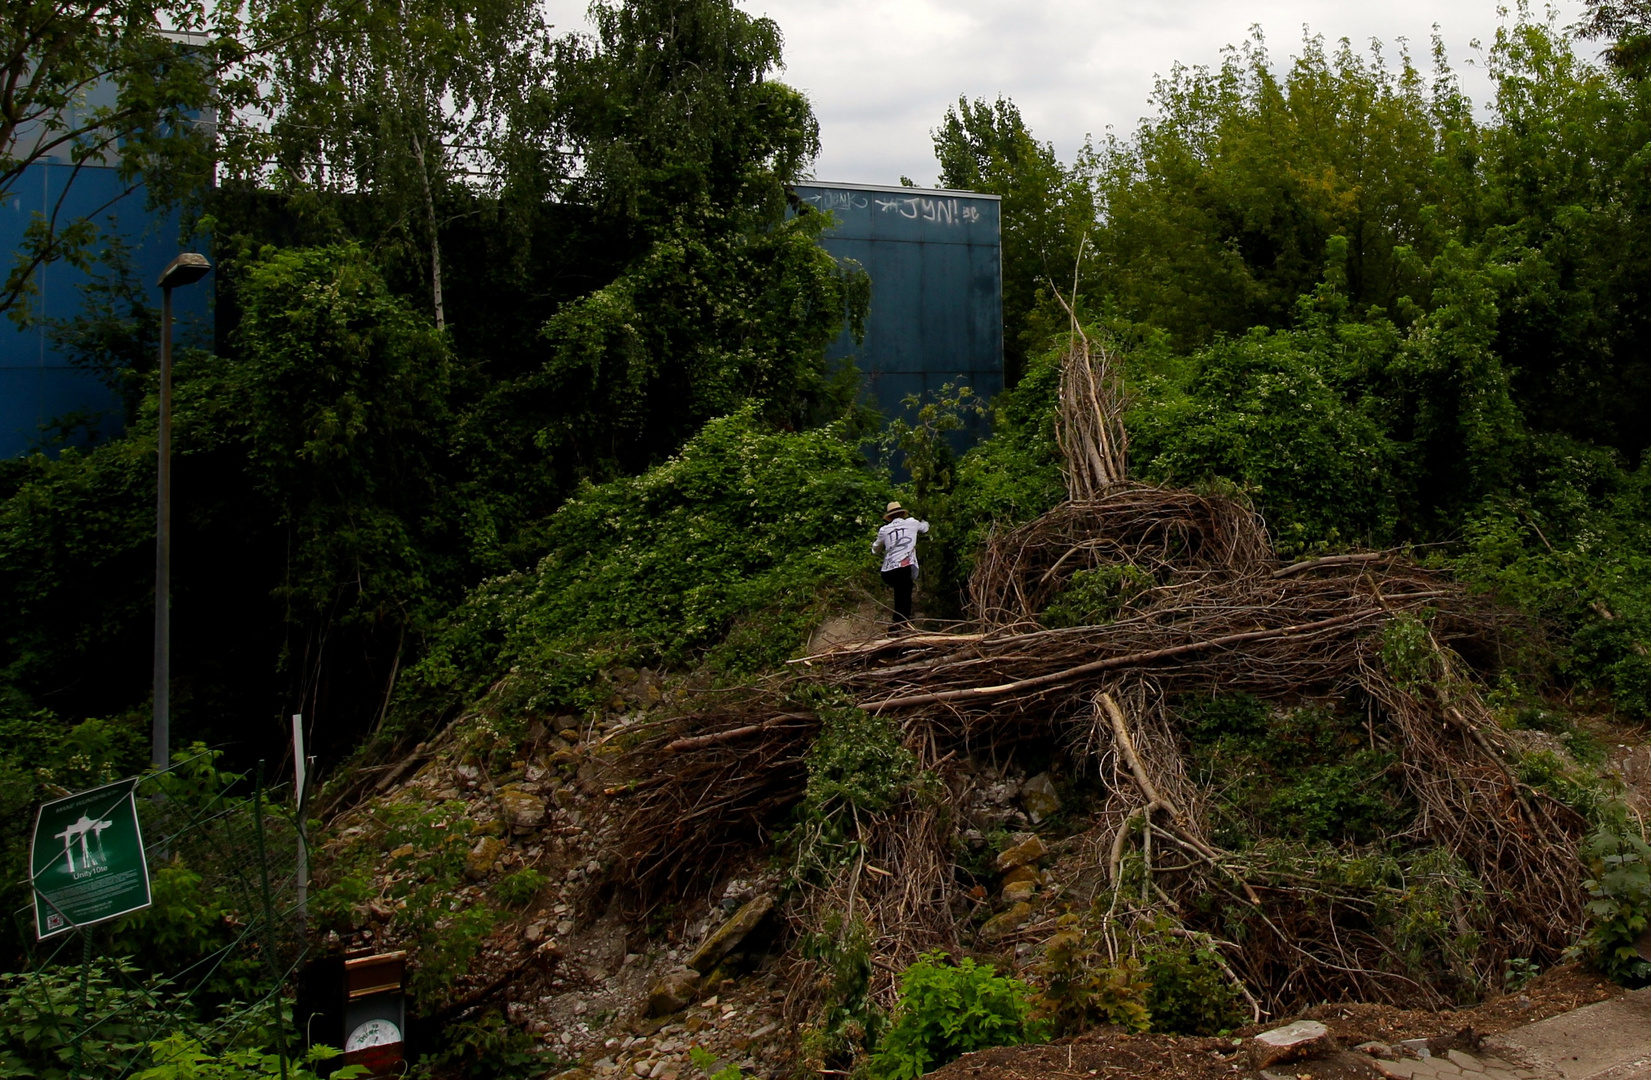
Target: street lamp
x,y
186,269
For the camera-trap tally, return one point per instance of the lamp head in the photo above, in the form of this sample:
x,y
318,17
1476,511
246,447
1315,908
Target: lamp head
x,y
186,269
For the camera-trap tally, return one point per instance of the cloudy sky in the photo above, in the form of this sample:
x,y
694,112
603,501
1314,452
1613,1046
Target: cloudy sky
x,y
881,72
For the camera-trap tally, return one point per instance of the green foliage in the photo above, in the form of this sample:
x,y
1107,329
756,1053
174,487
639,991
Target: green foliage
x,y
857,768
178,1057
1083,988
42,1021
1517,974
849,1022
489,1046
518,889
744,524
1096,596
1408,652
1188,992
947,1010
1305,773
1619,862
427,847
706,1061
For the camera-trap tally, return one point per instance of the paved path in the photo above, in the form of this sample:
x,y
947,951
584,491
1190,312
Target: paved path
x,y
1607,1041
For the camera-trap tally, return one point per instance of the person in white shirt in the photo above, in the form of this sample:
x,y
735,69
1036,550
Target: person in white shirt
x,y
897,540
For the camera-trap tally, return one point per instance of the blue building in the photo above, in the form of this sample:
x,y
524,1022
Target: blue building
x,y
39,385
935,261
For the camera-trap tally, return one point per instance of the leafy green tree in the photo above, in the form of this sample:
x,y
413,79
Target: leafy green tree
x,y
684,146
406,102
1219,208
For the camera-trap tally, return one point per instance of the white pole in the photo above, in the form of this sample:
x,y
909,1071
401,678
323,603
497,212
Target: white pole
x,y
300,784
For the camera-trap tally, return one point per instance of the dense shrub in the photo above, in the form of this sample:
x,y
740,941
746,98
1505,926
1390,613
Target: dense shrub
x,y
949,1010
730,552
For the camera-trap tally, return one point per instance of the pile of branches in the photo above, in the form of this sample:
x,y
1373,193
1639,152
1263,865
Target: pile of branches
x,y
1213,610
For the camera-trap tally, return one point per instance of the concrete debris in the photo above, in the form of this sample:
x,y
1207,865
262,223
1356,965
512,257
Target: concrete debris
x,y
1292,1042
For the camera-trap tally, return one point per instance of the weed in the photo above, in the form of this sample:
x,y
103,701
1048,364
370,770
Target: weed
x,y
857,766
1096,596
1408,652
1517,974
1620,911
705,1061
849,1023
518,889
1189,993
947,1011
1083,989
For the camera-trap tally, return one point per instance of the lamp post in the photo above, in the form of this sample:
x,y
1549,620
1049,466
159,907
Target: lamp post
x,y
183,270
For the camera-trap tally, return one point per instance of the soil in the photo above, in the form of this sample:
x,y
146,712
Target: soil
x,y
1160,1057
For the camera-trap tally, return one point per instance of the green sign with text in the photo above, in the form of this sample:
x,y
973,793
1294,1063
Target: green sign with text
x,y
87,859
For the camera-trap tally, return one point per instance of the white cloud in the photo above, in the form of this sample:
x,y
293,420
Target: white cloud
x,y
880,74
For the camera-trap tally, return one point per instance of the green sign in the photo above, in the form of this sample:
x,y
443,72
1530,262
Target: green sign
x,y
87,859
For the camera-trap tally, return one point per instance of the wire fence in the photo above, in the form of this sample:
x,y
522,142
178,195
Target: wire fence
x,y
202,969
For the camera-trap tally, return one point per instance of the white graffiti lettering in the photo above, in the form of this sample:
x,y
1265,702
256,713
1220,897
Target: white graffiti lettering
x,y
939,211
837,200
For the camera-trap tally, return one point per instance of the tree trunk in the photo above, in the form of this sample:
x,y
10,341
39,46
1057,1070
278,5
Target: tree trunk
x,y
435,239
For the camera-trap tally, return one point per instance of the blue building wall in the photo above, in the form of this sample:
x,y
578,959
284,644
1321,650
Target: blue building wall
x,y
37,384
936,286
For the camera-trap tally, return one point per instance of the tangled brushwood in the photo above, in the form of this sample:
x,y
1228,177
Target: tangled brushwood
x,y
1092,628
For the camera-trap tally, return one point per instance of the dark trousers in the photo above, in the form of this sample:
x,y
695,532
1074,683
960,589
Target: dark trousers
x,y
899,579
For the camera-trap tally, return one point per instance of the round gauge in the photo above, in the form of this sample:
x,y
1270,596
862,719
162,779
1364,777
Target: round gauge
x,y
372,1033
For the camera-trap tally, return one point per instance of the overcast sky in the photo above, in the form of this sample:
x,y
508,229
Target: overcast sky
x,y
880,73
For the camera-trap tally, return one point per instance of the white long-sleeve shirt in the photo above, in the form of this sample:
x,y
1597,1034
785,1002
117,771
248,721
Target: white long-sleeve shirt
x,y
898,542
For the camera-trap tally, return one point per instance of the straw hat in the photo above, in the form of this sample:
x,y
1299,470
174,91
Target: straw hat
x,y
894,509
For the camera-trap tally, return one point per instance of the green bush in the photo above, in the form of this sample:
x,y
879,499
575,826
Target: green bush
x,y
41,1020
1620,911
1189,993
519,889
1082,988
857,766
947,1011
1095,596
729,553
178,1057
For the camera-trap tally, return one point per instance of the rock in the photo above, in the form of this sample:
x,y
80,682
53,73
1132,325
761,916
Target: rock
x,y
725,938
1016,891
1039,798
1292,1042
1416,1047
1025,852
479,863
1007,923
1022,873
534,932
524,812
674,992
1377,1050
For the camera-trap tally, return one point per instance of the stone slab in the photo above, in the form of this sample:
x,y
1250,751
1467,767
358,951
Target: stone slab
x,y
1610,1040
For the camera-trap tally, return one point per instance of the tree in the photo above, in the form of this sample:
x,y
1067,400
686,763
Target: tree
x,y
97,83
682,148
402,102
1047,211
